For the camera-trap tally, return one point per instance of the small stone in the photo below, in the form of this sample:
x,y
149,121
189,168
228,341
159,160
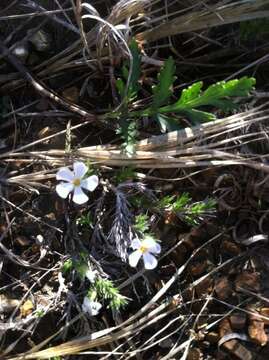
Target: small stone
x,y
238,321
223,288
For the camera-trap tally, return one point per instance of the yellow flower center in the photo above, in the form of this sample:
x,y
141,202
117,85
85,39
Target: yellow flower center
x,y
76,182
144,249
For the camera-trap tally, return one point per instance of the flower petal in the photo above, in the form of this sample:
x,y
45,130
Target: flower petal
x,y
63,189
91,307
80,169
90,183
151,245
135,244
150,261
91,275
65,174
134,258
96,307
79,196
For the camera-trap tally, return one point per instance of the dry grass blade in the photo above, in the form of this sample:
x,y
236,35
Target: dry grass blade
x,y
219,15
201,146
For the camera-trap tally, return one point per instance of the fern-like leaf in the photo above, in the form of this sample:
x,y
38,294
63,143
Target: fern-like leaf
x,y
218,95
163,90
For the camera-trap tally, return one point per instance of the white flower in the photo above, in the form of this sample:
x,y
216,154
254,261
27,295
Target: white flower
x,y
75,182
145,248
91,307
91,275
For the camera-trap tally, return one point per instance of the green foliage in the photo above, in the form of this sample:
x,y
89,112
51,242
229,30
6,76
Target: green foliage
x,y
80,265
124,174
190,104
127,127
217,95
184,207
198,210
163,90
141,223
92,170
254,29
40,313
85,220
174,203
67,266
167,123
105,289
128,133
139,201
134,85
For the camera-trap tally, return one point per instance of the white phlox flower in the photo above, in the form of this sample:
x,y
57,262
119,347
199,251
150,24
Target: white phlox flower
x,y
75,182
91,275
91,307
145,248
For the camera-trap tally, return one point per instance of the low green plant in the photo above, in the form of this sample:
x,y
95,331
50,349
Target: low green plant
x,y
85,220
193,102
79,264
184,207
256,29
141,224
124,174
104,289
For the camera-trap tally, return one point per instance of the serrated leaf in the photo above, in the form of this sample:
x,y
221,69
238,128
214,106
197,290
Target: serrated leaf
x,y
163,90
191,93
218,95
134,85
128,133
232,88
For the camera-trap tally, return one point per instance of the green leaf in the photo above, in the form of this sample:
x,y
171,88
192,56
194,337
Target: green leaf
x,y
218,95
167,123
105,289
197,116
231,88
67,266
190,94
128,132
120,87
141,223
134,85
163,90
